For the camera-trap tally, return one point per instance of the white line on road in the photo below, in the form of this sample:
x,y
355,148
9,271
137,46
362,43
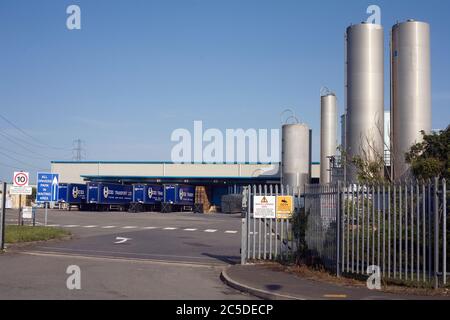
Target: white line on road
x,y
230,231
170,228
129,227
150,228
190,229
90,226
71,225
53,225
108,227
210,230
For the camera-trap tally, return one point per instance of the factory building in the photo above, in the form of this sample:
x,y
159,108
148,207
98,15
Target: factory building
x,y
219,177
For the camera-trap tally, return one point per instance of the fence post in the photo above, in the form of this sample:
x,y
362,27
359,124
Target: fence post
x,y
244,241
444,231
338,227
436,233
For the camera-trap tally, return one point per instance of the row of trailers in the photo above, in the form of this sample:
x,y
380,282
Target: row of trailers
x,y
97,196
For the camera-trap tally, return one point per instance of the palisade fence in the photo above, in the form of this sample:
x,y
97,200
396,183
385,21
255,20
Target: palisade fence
x,y
345,228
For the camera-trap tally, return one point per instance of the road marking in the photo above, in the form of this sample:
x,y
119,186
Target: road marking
x,y
72,225
210,230
230,231
53,225
129,227
123,259
150,228
190,229
108,227
121,240
90,226
170,228
339,296
107,254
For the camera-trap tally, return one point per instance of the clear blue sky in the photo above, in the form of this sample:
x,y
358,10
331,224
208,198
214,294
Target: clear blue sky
x,y
140,69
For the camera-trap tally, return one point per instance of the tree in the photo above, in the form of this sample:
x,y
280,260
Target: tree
x,y
431,157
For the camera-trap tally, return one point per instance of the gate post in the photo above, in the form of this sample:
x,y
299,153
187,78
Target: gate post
x,y
338,227
244,241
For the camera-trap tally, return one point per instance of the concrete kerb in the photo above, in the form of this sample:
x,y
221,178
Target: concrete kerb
x,y
263,294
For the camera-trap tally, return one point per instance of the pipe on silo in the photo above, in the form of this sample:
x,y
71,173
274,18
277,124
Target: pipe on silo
x,y
295,156
328,129
411,89
364,94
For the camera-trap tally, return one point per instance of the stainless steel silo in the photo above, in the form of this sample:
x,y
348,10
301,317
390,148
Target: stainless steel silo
x,y
411,89
364,94
295,155
328,134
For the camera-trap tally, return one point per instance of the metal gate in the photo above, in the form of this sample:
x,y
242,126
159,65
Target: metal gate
x,y
268,239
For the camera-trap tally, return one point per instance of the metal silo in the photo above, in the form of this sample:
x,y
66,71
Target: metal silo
x,y
411,89
328,129
295,155
364,93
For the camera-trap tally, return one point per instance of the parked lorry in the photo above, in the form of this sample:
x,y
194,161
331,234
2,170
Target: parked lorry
x,y
108,196
146,198
178,197
72,195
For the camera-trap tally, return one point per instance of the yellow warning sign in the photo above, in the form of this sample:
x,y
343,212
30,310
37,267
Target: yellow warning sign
x,y
285,207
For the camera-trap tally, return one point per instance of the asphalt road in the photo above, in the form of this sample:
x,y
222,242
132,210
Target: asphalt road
x,y
166,256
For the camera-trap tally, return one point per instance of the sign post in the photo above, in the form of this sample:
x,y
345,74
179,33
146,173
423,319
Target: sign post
x,y
47,189
2,218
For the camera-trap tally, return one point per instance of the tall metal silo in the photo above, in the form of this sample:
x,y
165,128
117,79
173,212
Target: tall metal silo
x,y
295,155
364,94
411,89
328,129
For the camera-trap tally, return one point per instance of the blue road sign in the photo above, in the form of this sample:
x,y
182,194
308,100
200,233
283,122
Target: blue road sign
x,y
47,187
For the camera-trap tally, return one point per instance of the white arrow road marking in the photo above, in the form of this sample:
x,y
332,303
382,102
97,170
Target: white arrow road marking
x,y
190,229
170,228
121,240
230,231
108,227
210,230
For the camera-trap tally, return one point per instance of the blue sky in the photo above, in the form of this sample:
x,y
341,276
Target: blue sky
x,y
140,69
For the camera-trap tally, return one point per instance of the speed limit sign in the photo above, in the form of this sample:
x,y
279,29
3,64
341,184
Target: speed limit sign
x,y
21,179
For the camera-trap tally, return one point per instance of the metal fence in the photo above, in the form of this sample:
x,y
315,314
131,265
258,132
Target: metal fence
x,y
401,228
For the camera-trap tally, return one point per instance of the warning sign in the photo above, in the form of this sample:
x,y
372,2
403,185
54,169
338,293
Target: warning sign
x,y
285,207
264,207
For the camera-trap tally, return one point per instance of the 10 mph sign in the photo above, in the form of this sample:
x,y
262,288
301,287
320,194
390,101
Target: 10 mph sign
x,y
20,184
21,179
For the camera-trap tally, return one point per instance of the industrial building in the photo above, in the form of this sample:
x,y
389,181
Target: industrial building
x,y
220,177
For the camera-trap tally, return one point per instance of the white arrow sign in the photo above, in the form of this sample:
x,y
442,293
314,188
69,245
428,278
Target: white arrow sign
x,y
121,240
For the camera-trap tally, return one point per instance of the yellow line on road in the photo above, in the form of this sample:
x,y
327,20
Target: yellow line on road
x,y
335,296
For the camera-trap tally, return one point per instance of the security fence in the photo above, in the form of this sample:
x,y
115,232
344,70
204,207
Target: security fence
x,y
400,228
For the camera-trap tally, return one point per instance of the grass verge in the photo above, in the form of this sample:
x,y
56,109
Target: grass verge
x,y
21,234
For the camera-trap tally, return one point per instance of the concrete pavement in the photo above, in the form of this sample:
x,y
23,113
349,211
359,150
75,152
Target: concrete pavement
x,y
267,282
